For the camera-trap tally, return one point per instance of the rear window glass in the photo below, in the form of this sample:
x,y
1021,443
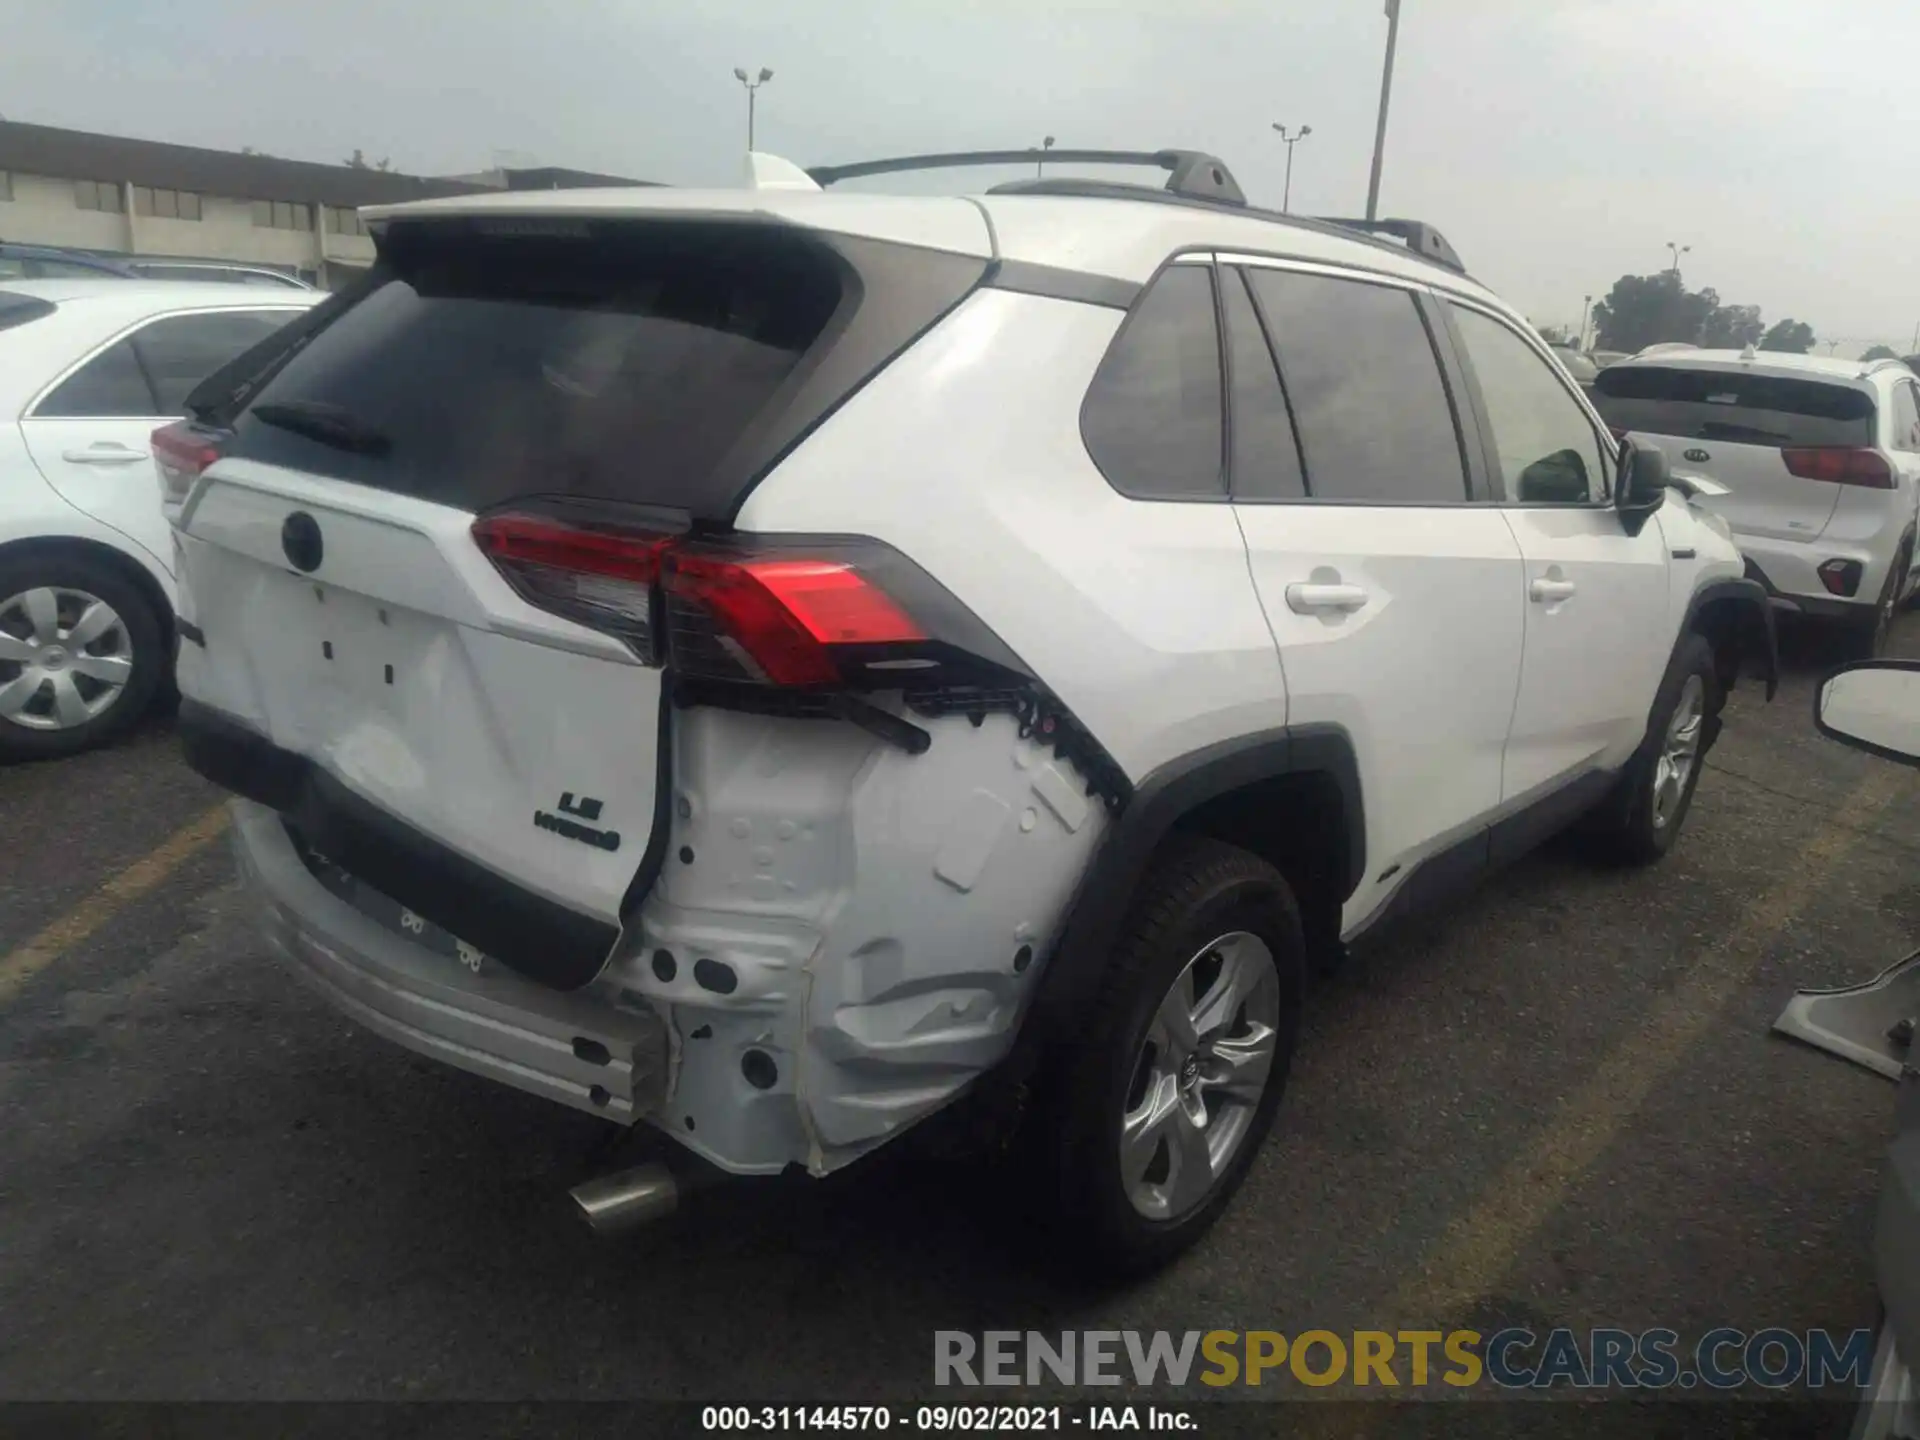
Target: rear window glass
x,y
621,365
1730,406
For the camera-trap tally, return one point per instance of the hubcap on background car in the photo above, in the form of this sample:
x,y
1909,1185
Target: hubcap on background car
x,y
65,657
1679,751
1200,1075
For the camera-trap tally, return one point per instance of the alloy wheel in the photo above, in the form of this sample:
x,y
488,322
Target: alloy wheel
x,y
1679,751
1200,1075
65,658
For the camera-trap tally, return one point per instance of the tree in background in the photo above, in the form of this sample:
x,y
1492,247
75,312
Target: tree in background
x,y
1732,327
1880,352
358,161
1643,310
1792,337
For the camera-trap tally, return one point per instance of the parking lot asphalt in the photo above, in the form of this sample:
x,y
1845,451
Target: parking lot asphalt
x,y
1559,1103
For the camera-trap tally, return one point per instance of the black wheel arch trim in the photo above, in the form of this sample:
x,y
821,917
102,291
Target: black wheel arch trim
x,y
1099,905
541,939
1758,640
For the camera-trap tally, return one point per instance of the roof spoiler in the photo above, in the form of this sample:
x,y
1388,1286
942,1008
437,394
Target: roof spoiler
x,y
770,172
1421,237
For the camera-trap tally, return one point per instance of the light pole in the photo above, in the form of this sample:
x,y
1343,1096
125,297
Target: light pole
x,y
1678,251
752,85
1386,92
1286,199
1586,308
1039,166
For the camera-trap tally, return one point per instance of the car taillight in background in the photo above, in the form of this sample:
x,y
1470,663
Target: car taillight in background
x,y
180,452
828,614
1839,465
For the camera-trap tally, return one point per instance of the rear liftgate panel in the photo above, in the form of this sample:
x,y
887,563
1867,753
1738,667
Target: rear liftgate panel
x,y
846,934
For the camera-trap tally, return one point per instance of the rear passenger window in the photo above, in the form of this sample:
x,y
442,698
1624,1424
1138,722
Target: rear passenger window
x,y
1549,450
109,386
1151,419
182,350
1906,418
1365,387
1266,457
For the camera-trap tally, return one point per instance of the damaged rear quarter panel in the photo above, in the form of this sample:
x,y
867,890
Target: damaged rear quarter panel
x,y
880,917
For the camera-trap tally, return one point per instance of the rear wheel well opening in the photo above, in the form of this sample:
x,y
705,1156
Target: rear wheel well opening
x,y
122,564
1297,823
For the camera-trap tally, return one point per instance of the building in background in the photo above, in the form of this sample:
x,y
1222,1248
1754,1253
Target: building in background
x,y
115,196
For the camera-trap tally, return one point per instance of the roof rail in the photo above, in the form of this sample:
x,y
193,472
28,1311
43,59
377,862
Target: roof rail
x,y
1193,174
1421,237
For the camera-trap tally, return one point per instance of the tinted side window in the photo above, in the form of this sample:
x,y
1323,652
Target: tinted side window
x,y
1549,451
1365,387
1906,418
182,350
1266,457
110,384
1152,415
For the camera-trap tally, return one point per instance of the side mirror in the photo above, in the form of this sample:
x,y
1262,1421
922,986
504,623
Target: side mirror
x,y
1873,706
1643,483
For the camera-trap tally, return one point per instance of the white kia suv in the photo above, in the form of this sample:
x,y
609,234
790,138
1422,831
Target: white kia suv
x,y
771,663
1820,459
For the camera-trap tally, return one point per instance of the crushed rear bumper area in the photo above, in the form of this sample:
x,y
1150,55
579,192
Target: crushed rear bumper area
x,y
574,1048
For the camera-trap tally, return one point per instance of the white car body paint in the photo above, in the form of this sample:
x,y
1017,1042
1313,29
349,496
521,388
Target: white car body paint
x,y
860,927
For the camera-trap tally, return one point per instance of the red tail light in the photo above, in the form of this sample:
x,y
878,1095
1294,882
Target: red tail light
x,y
785,613
598,576
734,614
180,452
1840,465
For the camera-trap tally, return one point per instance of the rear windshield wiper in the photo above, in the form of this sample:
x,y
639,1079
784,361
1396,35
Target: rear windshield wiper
x,y
327,424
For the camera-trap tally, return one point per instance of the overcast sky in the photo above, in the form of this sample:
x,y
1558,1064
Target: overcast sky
x,y
1557,143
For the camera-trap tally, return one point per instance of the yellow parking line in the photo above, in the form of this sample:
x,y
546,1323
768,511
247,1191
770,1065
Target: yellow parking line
x,y
1475,1251
21,965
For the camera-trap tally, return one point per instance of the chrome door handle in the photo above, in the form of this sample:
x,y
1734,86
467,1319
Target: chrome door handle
x,y
1311,599
103,455
1546,592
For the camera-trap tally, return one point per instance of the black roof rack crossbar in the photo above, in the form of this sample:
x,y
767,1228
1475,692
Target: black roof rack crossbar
x,y
1194,174
1421,238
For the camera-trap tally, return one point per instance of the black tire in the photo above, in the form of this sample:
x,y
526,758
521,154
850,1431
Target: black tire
x,y
1629,827
1867,635
1198,891
144,645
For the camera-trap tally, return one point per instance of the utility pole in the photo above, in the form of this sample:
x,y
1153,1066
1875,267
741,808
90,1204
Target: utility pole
x,y
1040,165
1386,93
752,85
1586,308
1286,201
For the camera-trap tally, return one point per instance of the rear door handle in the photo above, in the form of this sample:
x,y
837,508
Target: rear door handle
x,y
106,454
1546,592
1311,599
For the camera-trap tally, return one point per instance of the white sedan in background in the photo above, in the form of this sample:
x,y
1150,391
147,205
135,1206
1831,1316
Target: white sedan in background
x,y
88,370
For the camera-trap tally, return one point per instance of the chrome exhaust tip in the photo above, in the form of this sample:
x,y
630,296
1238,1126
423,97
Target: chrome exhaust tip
x,y
613,1204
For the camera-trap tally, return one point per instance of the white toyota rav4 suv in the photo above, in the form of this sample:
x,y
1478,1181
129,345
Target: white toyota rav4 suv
x,y
769,662
1820,459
